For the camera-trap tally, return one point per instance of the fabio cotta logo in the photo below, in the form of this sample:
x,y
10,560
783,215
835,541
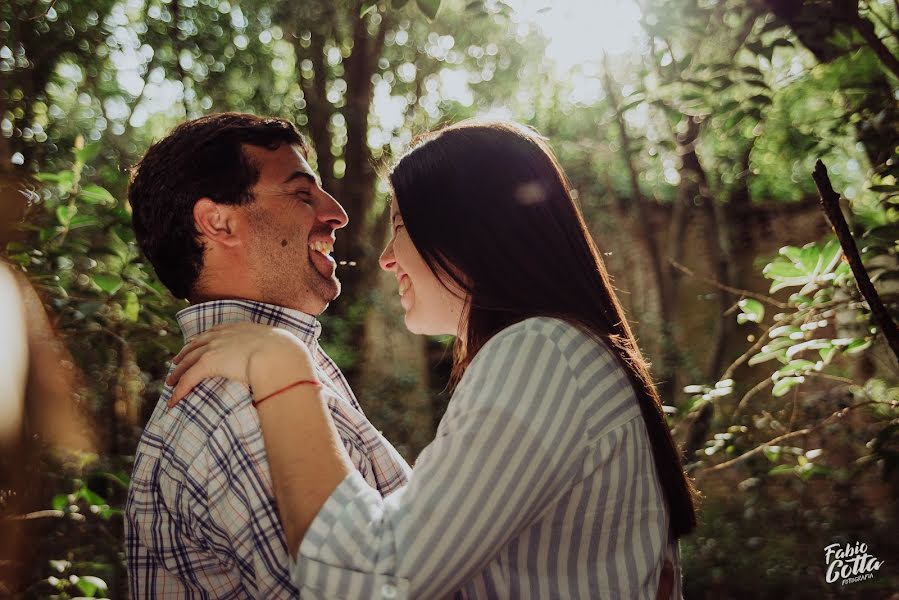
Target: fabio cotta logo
x,y
850,563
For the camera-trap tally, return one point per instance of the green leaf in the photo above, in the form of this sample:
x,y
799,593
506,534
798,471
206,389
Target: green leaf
x,y
721,82
812,470
60,565
64,214
785,385
772,453
88,153
91,497
398,4
50,177
779,353
781,469
841,273
885,189
60,501
429,8
757,83
791,252
831,255
122,478
798,366
799,300
753,310
107,513
733,120
809,345
94,194
132,307
858,345
63,180
90,585
633,101
728,106
367,7
118,247
781,269
108,282
761,99
810,259
752,71
79,221
827,354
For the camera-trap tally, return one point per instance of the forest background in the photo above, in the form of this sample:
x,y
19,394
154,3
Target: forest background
x,y
689,130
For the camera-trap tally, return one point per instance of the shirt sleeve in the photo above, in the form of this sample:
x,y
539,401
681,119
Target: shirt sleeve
x,y
242,518
202,517
505,450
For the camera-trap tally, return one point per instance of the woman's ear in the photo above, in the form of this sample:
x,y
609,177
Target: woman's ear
x,y
217,223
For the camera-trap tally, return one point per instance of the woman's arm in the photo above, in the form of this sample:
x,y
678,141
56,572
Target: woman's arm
x,y
306,456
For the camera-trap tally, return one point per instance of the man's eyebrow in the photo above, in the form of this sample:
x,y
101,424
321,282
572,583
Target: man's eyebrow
x,y
302,175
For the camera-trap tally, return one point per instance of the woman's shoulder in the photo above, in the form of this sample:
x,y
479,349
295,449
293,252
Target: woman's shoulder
x,y
605,390
577,346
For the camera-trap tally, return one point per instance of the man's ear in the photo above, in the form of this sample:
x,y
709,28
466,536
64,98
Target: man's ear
x,y
216,222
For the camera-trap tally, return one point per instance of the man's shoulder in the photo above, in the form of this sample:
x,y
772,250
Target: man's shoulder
x,y
183,432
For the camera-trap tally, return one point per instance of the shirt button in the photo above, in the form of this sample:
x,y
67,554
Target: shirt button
x,y
388,591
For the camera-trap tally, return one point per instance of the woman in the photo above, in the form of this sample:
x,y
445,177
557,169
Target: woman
x,y
553,473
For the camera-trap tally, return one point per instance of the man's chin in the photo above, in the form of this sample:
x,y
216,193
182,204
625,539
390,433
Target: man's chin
x,y
329,291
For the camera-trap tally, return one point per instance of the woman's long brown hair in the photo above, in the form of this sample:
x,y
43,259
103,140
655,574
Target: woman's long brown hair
x,y
489,208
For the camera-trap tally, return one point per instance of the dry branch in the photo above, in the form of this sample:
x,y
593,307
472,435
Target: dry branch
x,y
830,201
783,438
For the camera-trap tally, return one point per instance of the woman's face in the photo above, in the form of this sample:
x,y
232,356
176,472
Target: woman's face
x,y
431,308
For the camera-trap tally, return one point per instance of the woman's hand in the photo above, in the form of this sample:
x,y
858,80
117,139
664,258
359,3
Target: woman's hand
x,y
260,356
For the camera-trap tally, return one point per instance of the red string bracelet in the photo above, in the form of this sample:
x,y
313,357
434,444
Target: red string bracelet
x,y
311,382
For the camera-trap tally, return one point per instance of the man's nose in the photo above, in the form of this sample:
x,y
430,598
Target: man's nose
x,y
387,260
331,212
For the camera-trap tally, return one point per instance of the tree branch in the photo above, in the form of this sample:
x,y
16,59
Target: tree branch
x,y
830,201
782,438
745,399
732,290
866,29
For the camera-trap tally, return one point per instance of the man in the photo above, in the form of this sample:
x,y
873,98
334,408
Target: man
x,y
232,217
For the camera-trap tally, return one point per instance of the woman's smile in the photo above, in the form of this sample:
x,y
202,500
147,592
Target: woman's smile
x,y
407,294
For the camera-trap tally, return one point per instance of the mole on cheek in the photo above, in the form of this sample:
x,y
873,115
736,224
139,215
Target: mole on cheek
x,y
283,243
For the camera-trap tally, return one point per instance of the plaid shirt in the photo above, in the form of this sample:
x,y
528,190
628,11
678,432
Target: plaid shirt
x,y
201,519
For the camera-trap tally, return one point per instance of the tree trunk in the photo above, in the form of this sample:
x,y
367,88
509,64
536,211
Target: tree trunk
x,y
643,227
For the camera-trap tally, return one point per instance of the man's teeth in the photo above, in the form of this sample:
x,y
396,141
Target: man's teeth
x,y
324,247
405,284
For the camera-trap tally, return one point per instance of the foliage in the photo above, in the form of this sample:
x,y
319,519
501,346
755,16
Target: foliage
x,y
712,124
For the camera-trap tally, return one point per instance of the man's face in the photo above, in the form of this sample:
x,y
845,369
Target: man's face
x,y
291,223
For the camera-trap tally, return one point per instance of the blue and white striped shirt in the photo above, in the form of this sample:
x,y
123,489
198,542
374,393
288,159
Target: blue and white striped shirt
x,y
201,520
540,484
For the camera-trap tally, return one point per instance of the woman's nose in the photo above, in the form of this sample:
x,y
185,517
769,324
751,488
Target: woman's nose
x,y
387,260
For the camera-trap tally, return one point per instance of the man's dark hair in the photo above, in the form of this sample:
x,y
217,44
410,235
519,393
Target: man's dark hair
x,y
200,158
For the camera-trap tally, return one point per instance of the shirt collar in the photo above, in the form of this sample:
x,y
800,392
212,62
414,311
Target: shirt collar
x,y
196,319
